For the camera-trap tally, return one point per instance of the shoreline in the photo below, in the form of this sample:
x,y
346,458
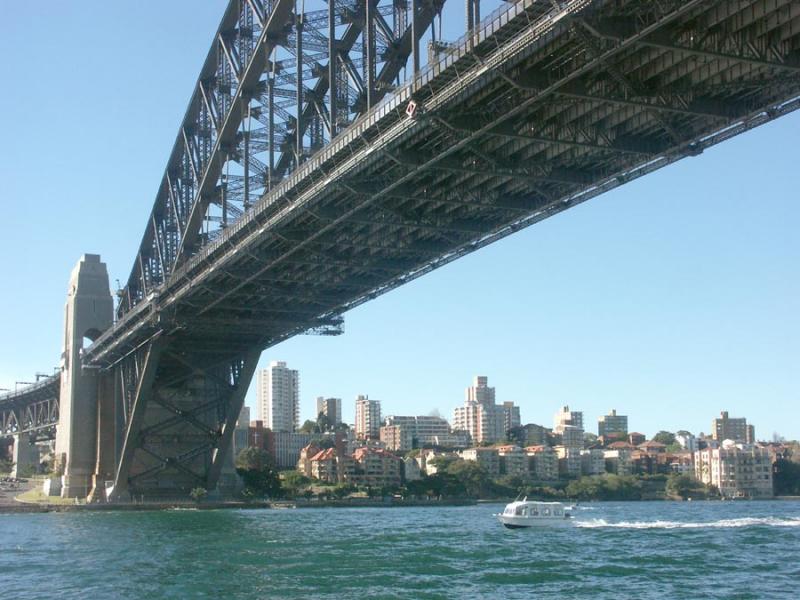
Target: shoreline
x,y
40,507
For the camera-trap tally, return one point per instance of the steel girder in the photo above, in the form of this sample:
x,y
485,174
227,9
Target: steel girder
x,y
34,408
276,86
542,108
179,408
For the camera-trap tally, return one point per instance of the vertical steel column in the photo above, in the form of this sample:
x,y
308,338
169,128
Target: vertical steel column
x,y
369,37
247,156
415,35
299,126
224,191
271,111
332,58
470,8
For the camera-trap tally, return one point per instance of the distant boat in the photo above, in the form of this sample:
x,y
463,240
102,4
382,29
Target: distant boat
x,y
522,513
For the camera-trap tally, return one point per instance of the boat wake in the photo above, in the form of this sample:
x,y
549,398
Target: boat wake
x,y
722,524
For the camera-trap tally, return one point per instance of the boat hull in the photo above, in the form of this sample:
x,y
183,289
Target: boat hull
x,y
517,522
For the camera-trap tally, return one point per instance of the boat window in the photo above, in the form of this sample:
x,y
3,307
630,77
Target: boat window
x,y
546,512
557,512
534,512
520,510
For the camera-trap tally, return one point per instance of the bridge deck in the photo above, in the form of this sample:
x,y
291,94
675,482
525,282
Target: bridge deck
x,y
539,110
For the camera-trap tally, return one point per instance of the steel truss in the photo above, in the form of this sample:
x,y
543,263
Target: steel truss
x,y
34,408
178,409
542,106
278,85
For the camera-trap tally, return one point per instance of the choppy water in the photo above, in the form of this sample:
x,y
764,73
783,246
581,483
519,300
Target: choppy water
x,y
618,550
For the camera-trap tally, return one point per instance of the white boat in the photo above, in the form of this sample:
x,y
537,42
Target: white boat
x,y
522,513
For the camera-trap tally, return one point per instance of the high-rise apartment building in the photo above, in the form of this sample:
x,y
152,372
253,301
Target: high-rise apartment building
x,y
331,408
565,417
368,418
480,416
613,425
727,428
510,416
278,395
480,391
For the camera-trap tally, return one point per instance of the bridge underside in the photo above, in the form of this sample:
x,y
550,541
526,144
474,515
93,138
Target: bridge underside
x,y
34,409
542,110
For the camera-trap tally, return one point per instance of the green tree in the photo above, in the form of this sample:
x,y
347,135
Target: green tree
x,y
254,466
293,482
309,426
664,437
198,494
605,487
471,476
787,477
685,486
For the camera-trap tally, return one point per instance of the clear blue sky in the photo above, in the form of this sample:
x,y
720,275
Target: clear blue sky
x,y
669,299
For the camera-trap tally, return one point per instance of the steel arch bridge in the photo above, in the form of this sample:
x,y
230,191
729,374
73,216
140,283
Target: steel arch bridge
x,y
319,165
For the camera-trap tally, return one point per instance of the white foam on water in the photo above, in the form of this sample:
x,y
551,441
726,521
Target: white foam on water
x,y
724,523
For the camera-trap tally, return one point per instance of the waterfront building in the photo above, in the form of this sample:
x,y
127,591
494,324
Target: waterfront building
x,y
738,470
593,462
572,437
618,460
653,447
487,458
368,418
480,416
454,439
727,428
331,408
397,438
612,426
569,461
532,435
278,394
414,432
511,416
513,461
304,462
542,462
635,438
285,447
681,462
566,417
376,468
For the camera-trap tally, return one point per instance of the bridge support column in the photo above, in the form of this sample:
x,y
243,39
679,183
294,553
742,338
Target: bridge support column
x,y
25,456
89,312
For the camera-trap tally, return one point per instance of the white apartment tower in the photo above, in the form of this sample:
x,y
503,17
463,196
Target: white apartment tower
x,y
279,397
368,418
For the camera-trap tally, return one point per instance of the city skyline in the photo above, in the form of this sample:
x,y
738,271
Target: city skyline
x,y
670,299
590,421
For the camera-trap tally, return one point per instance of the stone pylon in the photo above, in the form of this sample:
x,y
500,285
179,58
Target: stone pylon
x,y
26,456
89,312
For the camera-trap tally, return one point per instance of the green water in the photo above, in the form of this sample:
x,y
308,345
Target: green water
x,y
616,550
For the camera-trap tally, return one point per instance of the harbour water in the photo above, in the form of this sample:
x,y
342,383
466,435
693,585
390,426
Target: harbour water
x,y
616,550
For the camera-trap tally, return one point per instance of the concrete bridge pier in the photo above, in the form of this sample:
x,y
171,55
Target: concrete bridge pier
x,y
25,456
89,312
